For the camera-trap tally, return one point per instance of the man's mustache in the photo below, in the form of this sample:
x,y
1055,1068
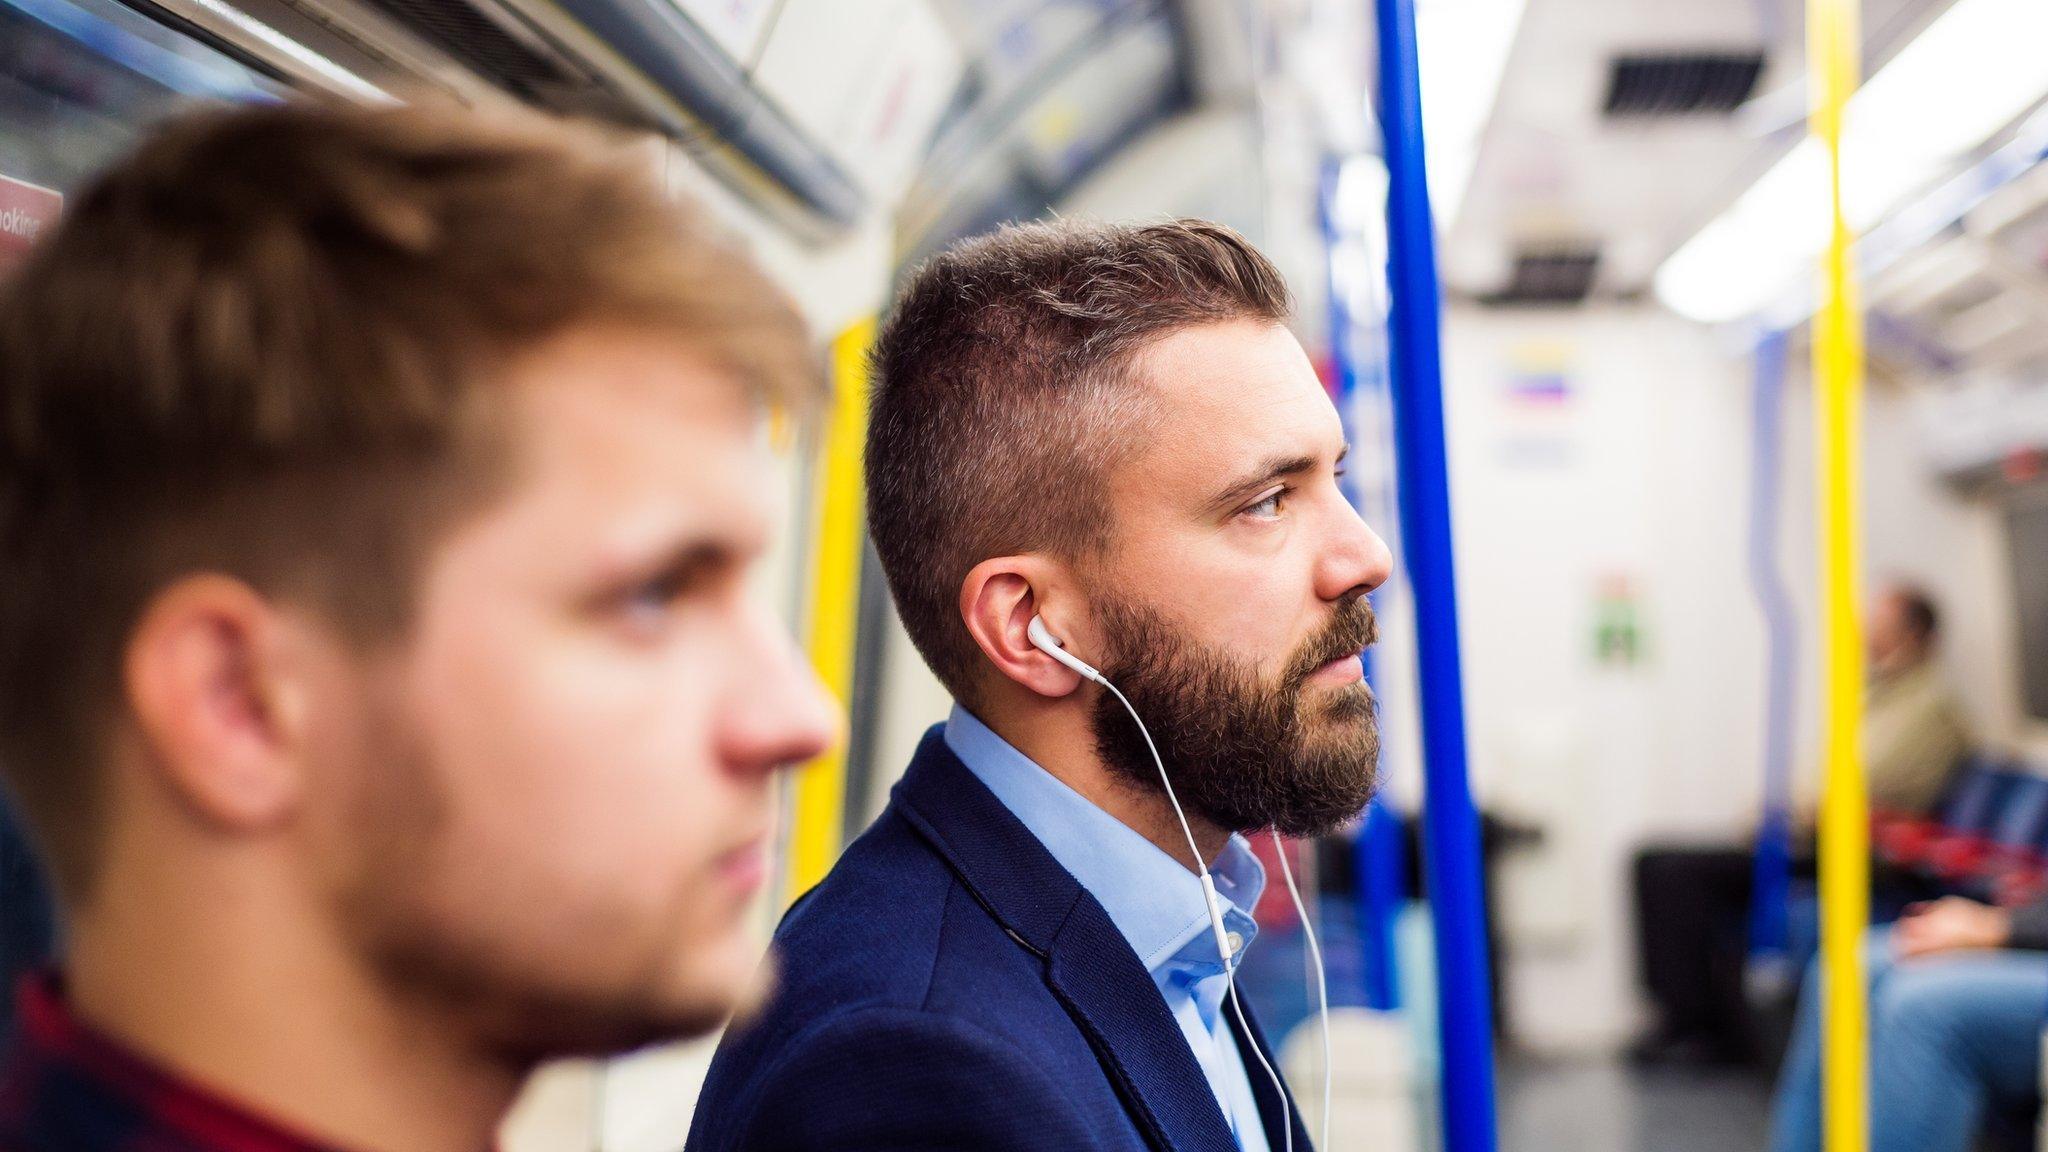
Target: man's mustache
x,y
1351,631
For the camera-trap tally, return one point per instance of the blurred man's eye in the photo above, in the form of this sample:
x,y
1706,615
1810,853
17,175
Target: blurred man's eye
x,y
647,605
660,594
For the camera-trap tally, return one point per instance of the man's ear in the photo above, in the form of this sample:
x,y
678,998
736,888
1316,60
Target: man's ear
x,y
997,601
217,709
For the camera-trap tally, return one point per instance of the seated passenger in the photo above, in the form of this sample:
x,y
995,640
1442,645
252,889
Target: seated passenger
x,y
376,674
1111,430
1958,999
1692,902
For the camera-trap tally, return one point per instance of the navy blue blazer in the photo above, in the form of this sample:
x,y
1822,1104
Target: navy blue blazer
x,y
950,986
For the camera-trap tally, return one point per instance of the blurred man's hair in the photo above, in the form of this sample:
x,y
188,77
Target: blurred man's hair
x,y
267,344
1923,619
1004,398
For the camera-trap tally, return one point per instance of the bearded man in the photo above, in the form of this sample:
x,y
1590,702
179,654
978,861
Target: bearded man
x,y
1111,429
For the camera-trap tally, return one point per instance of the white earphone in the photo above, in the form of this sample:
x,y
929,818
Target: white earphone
x,y
1049,644
1052,647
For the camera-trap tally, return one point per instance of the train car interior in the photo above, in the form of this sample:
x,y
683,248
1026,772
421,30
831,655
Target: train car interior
x,y
1653,444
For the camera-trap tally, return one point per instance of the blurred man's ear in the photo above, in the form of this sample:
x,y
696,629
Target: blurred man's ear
x,y
216,704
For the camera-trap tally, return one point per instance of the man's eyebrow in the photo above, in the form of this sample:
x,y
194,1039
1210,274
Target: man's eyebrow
x,y
698,553
685,558
1276,468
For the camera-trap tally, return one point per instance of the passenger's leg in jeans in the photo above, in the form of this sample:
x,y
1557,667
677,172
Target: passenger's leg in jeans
x,y
1795,1112
1949,1035
1955,1034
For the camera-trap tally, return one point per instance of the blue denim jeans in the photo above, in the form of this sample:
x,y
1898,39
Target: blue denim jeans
x,y
1951,1036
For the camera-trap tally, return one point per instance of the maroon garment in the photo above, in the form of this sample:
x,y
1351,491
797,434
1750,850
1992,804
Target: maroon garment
x,y
66,1088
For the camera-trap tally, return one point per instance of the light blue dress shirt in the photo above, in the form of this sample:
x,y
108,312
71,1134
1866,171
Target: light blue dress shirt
x,y
1151,897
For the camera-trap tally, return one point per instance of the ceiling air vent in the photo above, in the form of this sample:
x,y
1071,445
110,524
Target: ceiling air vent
x,y
1681,83
1551,275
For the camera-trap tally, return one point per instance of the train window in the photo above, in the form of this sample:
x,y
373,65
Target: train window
x,y
78,80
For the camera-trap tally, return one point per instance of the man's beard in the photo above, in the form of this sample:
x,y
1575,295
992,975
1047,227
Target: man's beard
x,y
1242,751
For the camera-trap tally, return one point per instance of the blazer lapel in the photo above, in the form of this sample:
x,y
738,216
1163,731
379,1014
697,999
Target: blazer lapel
x,y
1089,966
1110,995
1271,1107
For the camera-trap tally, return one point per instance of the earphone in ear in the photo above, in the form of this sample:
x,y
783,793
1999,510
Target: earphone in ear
x,y
1046,642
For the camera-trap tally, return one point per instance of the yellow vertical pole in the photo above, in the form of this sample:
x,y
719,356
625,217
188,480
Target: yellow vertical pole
x,y
1833,49
820,786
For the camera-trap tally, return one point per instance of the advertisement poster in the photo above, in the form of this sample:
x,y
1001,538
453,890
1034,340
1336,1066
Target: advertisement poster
x,y
26,212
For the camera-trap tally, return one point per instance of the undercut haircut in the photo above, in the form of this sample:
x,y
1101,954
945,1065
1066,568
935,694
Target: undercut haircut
x,y
272,343
1005,398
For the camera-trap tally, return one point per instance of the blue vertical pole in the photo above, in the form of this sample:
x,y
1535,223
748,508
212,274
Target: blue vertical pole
x,y
1382,874
1377,848
1768,927
1451,826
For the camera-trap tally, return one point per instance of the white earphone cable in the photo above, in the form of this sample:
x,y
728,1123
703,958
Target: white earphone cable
x,y
1229,961
1194,850
1236,1005
1315,952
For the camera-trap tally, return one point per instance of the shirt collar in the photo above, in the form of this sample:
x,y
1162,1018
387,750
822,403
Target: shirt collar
x,y
1151,897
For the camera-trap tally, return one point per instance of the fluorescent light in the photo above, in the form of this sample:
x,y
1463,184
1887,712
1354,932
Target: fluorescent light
x,y
1747,256
1462,49
1971,73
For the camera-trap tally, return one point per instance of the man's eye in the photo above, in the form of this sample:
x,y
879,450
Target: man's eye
x,y
1268,506
655,594
654,598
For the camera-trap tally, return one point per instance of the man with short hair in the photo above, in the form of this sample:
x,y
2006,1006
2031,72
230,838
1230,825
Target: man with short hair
x,y
1110,430
377,668
1914,732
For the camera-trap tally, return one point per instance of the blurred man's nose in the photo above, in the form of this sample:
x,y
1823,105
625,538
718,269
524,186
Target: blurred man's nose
x,y
778,713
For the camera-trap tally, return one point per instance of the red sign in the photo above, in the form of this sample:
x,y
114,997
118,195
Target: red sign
x,y
26,212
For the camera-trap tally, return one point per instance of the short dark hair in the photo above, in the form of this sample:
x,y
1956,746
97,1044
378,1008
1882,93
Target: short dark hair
x,y
1923,619
1003,397
266,344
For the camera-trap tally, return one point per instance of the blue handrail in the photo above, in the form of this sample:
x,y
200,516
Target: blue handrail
x,y
1382,875
1768,922
1378,852
1451,826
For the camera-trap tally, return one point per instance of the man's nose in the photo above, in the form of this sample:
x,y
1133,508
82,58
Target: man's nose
x,y
1356,560
778,713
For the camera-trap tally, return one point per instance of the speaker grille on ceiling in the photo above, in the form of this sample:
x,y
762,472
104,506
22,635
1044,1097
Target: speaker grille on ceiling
x,y
1550,275
1681,83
